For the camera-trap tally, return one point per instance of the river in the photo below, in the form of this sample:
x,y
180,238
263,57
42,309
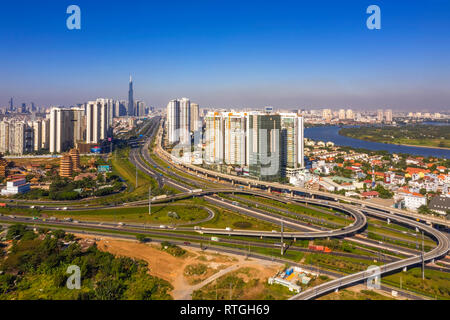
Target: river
x,y
331,133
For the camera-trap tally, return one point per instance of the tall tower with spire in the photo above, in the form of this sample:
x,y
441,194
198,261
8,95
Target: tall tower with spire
x,y
130,99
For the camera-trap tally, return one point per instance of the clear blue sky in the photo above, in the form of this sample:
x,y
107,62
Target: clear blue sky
x,y
229,53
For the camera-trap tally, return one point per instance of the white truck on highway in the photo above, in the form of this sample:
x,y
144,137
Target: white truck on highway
x,y
163,196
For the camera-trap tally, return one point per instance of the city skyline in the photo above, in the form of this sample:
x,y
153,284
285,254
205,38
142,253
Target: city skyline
x,y
230,55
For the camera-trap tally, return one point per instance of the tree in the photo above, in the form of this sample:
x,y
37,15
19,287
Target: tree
x,y
423,209
141,238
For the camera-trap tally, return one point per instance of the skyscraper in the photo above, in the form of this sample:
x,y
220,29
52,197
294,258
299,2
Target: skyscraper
x,y
327,115
45,134
349,114
97,127
173,121
61,129
235,127
388,115
37,129
185,120
214,138
292,158
380,115
264,143
130,99
195,117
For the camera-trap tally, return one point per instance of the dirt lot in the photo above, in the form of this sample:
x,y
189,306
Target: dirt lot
x,y
170,268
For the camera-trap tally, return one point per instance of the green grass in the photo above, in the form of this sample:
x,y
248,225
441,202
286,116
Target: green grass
x,y
436,284
225,218
352,295
187,213
301,209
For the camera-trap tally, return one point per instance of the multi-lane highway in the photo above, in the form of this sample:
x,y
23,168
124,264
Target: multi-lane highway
x,y
297,229
443,243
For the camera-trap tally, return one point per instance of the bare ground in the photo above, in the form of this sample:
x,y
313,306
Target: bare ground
x,y
165,266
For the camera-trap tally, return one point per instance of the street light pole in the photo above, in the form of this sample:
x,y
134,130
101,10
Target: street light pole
x,y
423,260
282,251
150,200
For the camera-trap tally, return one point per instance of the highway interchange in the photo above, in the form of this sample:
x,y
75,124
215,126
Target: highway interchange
x,y
198,186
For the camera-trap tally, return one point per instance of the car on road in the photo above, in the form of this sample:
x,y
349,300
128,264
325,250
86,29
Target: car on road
x,y
32,207
65,208
163,227
187,243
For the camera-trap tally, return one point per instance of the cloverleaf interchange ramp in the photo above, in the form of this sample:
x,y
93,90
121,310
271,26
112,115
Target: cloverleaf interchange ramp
x,y
140,157
442,248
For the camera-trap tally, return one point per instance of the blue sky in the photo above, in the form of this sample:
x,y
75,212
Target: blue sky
x,y
289,54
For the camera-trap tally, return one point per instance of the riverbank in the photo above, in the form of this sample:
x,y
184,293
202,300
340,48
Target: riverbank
x,y
394,143
421,136
331,133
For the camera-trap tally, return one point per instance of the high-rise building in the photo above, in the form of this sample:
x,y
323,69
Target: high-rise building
x,y
349,114
20,138
130,99
380,115
4,137
195,117
264,143
185,120
97,124
388,115
341,114
45,134
61,129
327,115
79,124
140,108
292,158
235,142
173,121
214,138
37,134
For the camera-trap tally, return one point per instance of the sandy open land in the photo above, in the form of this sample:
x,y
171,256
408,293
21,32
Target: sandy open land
x,y
163,265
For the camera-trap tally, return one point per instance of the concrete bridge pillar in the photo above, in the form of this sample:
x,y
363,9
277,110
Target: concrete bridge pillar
x,y
312,196
232,182
269,190
292,194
